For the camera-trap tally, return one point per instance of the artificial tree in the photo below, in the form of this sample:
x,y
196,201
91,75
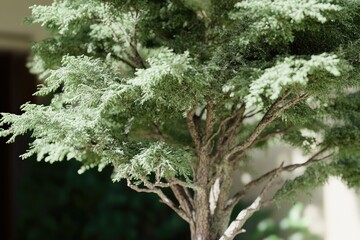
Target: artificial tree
x,y
174,94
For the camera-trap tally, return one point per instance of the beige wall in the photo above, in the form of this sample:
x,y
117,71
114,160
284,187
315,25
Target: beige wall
x,y
14,34
342,211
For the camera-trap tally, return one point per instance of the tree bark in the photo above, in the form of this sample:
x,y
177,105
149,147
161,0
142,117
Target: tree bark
x,y
208,225
210,222
201,200
202,229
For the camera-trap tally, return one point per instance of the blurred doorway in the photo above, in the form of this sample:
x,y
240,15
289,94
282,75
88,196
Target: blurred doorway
x,y
17,86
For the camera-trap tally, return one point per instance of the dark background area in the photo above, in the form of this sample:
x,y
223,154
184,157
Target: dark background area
x,y
17,87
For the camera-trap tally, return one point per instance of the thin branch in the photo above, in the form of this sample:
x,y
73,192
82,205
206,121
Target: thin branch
x,y
289,168
269,135
127,62
222,124
279,101
137,188
237,118
268,118
193,129
210,122
252,113
137,58
172,182
270,201
132,41
133,45
163,197
117,40
189,197
184,201
227,131
236,226
186,184
158,131
153,135
234,128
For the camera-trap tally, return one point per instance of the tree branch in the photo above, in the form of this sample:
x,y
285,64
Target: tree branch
x,y
158,132
132,41
137,58
252,113
193,130
237,118
150,189
221,126
171,182
186,184
235,226
227,130
289,168
269,135
127,62
117,40
184,201
268,118
234,128
210,122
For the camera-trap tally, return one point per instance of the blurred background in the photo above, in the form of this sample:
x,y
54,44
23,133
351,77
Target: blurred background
x,y
43,201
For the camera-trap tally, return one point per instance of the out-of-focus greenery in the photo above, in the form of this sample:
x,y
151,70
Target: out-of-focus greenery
x,y
293,227
54,202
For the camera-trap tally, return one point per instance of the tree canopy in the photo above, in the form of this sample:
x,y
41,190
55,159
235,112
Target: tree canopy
x,y
175,94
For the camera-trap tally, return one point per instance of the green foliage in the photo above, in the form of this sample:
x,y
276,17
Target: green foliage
x,y
158,158
294,226
88,206
170,81
294,72
316,175
277,20
342,132
345,129
347,168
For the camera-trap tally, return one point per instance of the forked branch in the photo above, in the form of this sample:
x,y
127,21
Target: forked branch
x,y
184,200
265,177
236,226
151,189
273,113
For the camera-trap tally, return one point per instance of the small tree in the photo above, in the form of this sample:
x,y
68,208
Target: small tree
x,y
174,94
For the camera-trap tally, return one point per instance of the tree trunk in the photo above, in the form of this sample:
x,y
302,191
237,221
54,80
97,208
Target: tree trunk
x,y
202,228
207,226
210,224
202,219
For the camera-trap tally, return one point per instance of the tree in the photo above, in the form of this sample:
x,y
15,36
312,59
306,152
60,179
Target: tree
x,y
174,94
